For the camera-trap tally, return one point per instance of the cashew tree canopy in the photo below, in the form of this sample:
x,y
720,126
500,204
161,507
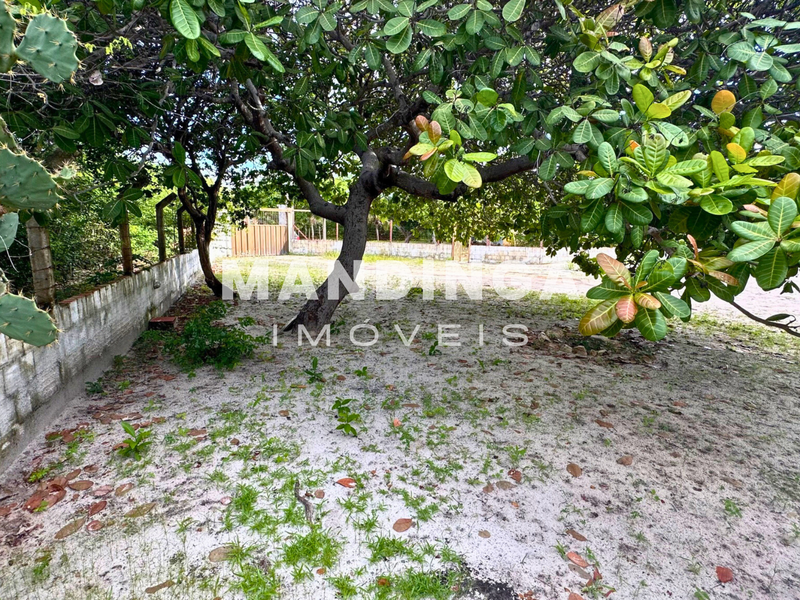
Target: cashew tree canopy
x,y
667,129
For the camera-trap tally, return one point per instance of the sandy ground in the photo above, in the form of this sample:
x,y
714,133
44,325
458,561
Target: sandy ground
x,y
621,469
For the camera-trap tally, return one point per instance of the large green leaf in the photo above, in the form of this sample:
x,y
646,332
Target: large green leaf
x,y
583,132
750,250
586,62
512,10
772,269
399,43
781,213
642,96
184,19
651,323
599,187
754,231
674,305
607,290
716,205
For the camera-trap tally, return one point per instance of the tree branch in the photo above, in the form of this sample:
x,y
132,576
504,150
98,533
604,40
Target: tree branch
x,y
787,327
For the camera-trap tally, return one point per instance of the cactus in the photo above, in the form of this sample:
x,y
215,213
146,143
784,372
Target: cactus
x,y
8,229
48,46
8,27
24,183
22,320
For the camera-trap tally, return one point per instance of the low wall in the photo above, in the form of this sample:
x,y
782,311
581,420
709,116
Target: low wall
x,y
477,253
398,249
35,383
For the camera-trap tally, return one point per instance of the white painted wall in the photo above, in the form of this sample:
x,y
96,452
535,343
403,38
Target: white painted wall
x,y
36,382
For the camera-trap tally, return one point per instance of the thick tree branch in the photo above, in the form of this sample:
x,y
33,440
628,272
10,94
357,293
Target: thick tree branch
x,y
787,327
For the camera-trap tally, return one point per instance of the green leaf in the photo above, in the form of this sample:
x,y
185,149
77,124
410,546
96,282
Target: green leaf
x,y
577,187
674,305
431,28
642,96
547,170
487,96
754,231
583,132
781,213
512,10
599,187
327,20
720,166
751,250
472,176
677,100
606,115
607,157
614,221
479,156
716,205
400,42
741,51
455,170
772,269
606,290
586,62
184,19
687,167
651,324
179,153
474,22
395,26
592,216
760,61
262,53
459,12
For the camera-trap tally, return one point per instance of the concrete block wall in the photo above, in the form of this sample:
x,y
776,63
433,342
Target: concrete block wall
x,y
397,249
35,383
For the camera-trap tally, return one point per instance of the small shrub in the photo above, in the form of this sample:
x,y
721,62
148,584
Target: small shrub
x,y
204,342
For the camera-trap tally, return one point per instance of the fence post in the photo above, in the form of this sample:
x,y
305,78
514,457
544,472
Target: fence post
x,y
181,243
44,283
125,244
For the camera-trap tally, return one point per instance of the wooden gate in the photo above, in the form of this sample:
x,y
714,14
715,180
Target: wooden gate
x,y
260,240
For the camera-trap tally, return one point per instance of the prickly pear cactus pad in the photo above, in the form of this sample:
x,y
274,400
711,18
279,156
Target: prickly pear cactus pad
x,y
22,320
24,183
8,229
49,47
8,27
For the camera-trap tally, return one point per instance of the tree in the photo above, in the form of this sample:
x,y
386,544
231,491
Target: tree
x,y
556,88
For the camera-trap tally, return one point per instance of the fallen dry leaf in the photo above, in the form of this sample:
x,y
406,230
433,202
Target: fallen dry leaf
x,y
283,413
626,460
383,582
402,525
505,485
347,482
724,574
155,588
80,485
73,474
574,470
577,559
103,490
6,509
94,525
605,424
397,422
515,475
484,534
488,488
319,494
411,405
70,528
322,571
574,596
576,535
97,507
219,554
140,510
123,489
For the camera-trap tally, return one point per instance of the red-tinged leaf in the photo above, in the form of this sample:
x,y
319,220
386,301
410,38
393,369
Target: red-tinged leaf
x,y
402,525
599,318
724,574
615,270
347,482
97,507
574,470
693,242
577,559
422,123
397,422
647,301
103,490
407,155
434,131
724,277
94,525
427,155
626,309
574,596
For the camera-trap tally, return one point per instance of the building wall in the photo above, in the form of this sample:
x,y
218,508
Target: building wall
x,y
35,383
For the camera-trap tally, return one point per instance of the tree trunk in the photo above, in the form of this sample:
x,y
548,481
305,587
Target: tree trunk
x,y
203,244
318,312
125,243
44,283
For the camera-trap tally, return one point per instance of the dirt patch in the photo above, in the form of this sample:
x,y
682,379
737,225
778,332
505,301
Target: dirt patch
x,y
470,443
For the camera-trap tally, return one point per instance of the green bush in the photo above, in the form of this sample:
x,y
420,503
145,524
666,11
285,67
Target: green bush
x,y
203,341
